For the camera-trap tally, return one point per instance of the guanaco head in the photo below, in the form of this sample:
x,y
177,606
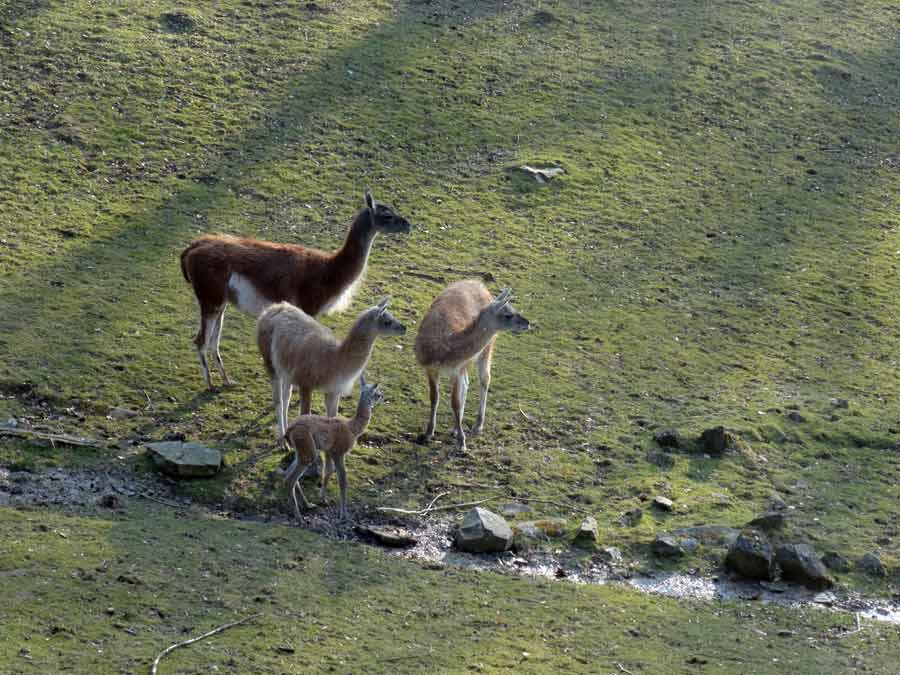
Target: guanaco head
x,y
369,394
384,323
502,316
384,219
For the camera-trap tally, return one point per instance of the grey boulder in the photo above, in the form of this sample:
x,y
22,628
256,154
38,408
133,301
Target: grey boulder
x,y
185,460
800,563
751,556
483,531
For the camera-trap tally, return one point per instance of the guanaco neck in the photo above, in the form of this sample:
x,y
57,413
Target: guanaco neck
x,y
354,352
468,343
348,262
360,421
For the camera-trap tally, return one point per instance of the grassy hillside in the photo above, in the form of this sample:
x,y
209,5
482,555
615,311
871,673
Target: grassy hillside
x,y
722,248
108,592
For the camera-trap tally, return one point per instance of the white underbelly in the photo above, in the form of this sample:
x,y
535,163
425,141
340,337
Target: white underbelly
x,y
345,386
245,295
342,301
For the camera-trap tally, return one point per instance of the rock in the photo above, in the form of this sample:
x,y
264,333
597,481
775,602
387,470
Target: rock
x,y
514,509
835,561
663,503
185,460
177,22
689,544
110,501
669,438
661,459
632,518
713,535
715,440
794,416
825,598
667,546
587,534
768,522
532,533
609,554
483,531
871,564
389,536
840,403
751,556
800,563
540,175
776,502
123,413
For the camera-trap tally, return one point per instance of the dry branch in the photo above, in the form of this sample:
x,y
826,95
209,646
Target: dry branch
x,y
53,438
432,509
172,648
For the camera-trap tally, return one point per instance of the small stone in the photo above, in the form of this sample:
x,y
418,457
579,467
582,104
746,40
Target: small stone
x,y
713,535
871,564
785,632
588,533
825,598
389,536
751,556
185,460
800,563
835,561
715,440
540,175
609,554
110,610
661,459
483,531
110,501
689,544
663,503
667,546
768,522
668,438
840,403
514,509
632,517
776,502
795,416
123,413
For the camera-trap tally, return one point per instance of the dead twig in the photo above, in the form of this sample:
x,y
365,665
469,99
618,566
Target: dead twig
x,y
427,277
53,438
432,509
526,415
442,494
623,669
172,648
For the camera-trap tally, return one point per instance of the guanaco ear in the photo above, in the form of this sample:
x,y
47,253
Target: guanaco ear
x,y
362,379
504,297
370,200
382,306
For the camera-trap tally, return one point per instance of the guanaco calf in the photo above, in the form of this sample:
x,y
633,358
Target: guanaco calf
x,y
461,326
312,435
252,274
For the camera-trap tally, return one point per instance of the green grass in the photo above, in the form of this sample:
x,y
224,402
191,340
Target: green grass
x,y
722,248
104,593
